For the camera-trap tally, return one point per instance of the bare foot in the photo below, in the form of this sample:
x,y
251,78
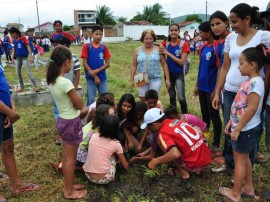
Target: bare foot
x,y
228,193
76,194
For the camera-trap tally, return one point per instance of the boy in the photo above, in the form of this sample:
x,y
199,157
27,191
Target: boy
x,y
151,99
182,143
8,116
94,54
36,54
73,75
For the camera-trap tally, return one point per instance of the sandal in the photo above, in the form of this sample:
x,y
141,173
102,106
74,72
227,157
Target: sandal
x,y
82,194
250,196
29,187
19,90
57,166
37,89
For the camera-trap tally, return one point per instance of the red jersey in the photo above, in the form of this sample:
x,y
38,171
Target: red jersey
x,y
176,133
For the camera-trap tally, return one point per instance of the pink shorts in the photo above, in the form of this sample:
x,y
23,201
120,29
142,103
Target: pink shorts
x,y
181,163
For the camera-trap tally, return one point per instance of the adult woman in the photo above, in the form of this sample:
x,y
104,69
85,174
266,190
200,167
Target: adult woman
x,y
242,17
146,59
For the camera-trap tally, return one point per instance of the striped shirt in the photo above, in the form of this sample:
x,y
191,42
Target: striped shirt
x,y
76,67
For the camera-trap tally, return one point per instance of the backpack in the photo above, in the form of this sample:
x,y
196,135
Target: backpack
x,y
186,66
40,50
215,50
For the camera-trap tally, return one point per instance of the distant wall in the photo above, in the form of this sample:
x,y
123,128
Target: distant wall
x,y
113,39
135,31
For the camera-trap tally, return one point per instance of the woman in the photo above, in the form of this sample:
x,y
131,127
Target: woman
x,y
146,59
242,17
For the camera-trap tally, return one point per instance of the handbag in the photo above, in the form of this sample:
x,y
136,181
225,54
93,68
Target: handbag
x,y
140,79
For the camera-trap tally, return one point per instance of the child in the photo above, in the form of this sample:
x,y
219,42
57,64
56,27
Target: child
x,y
206,82
73,75
100,164
8,47
21,52
151,99
94,54
36,54
245,126
177,52
68,123
126,112
57,24
8,116
183,145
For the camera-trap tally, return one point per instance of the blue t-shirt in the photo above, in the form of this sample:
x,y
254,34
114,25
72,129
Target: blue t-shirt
x,y
5,96
34,50
207,74
220,52
174,68
31,39
20,48
95,60
6,41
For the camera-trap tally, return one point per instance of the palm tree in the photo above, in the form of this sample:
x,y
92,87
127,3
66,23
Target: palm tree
x,y
153,14
104,16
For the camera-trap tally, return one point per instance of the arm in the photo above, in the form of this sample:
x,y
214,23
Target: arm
x,y
133,67
105,66
221,80
123,160
75,99
181,61
171,155
148,157
266,84
165,70
77,78
127,136
145,133
30,53
253,103
11,114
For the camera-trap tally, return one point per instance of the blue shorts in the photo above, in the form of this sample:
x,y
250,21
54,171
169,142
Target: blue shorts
x,y
247,140
5,133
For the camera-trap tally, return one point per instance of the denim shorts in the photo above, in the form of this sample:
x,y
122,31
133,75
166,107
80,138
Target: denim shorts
x,y
70,130
247,140
5,133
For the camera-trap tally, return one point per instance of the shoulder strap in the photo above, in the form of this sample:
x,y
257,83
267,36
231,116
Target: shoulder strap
x,y
89,46
216,53
167,44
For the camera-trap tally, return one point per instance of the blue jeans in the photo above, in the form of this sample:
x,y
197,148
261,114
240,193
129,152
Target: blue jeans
x,y
92,88
227,151
178,83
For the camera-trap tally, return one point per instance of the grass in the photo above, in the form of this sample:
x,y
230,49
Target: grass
x,y
35,149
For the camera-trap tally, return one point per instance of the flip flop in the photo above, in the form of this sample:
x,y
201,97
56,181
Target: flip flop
x,y
78,196
222,191
29,187
250,196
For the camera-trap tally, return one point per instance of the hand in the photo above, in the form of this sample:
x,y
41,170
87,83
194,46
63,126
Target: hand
x,y
7,122
163,50
228,128
139,148
215,101
196,91
168,84
152,164
212,95
132,160
97,80
234,135
140,154
93,73
31,59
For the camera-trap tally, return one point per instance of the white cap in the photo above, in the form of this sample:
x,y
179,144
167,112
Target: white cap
x,y
151,116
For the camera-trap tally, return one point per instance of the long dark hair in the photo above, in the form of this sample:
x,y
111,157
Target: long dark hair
x,y
131,116
174,24
109,127
101,111
58,57
243,10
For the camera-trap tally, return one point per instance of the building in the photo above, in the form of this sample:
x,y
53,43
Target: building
x,y
190,26
14,24
44,27
84,19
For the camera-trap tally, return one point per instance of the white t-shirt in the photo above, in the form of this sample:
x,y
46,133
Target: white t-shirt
x,y
59,91
234,78
100,151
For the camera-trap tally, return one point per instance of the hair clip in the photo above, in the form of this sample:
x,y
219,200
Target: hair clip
x,y
266,51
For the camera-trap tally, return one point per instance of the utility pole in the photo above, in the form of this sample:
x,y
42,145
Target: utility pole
x,y
206,12
38,17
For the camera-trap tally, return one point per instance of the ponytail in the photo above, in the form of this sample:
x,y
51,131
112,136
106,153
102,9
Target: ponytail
x,y
58,57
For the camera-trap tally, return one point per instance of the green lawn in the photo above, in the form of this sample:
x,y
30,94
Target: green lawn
x,y
35,149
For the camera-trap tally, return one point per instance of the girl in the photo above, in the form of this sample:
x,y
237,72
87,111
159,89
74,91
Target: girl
x,y
126,112
35,48
100,164
176,58
242,18
146,60
245,126
206,82
68,123
8,47
57,24
21,52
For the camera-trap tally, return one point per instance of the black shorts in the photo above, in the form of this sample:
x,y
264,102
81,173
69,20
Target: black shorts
x,y
5,133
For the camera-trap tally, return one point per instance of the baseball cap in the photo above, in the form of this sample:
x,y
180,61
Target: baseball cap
x,y
151,116
63,40
266,12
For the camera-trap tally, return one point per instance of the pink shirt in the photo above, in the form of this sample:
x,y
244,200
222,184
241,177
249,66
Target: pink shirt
x,y
100,151
195,121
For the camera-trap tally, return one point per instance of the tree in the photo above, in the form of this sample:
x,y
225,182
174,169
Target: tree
x,y
193,17
153,14
122,19
104,16
66,28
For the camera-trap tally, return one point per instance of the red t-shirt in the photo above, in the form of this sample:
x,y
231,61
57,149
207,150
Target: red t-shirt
x,y
176,133
85,50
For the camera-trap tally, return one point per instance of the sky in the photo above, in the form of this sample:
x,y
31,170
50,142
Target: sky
x,y
25,12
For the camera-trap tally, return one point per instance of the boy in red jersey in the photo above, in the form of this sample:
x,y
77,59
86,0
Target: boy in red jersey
x,y
183,144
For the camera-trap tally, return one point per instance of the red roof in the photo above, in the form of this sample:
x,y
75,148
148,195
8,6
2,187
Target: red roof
x,y
142,22
183,24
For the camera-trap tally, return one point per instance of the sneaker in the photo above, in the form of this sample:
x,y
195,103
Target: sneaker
x,y
260,158
219,169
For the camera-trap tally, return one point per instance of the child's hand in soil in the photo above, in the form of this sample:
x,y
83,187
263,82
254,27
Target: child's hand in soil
x,y
152,164
132,160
